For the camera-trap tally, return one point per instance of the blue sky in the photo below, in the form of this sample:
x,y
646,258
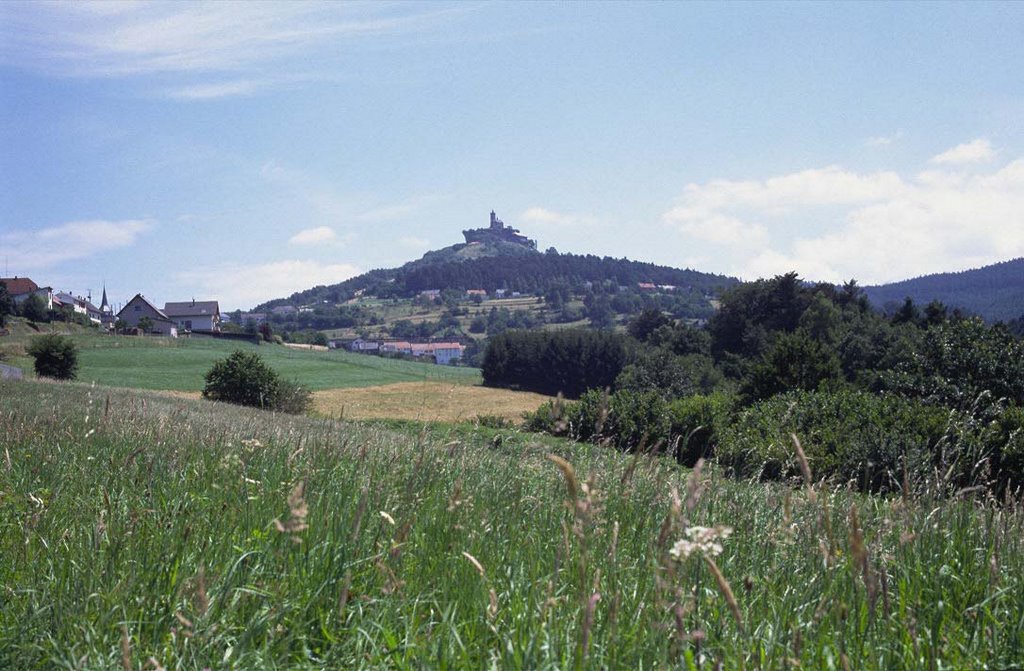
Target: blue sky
x,y
245,151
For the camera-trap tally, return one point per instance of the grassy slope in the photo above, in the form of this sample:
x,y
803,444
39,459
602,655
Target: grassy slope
x,y
136,526
168,364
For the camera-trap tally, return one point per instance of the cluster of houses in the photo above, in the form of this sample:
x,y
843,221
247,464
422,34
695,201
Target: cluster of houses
x,y
443,353
22,288
184,316
498,293
138,313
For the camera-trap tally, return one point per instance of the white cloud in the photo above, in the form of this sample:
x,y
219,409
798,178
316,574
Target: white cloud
x,y
721,229
881,226
213,90
975,151
193,39
241,286
313,236
544,217
48,247
884,140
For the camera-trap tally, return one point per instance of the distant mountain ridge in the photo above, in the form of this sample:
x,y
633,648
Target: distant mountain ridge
x,y
995,292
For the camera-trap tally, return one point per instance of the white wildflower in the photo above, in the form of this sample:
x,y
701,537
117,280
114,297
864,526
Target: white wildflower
x,y
700,540
389,518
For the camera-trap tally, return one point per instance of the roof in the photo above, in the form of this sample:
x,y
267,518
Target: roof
x,y
142,298
19,285
192,309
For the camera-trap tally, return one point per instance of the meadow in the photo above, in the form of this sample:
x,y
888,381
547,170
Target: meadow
x,y
180,364
143,531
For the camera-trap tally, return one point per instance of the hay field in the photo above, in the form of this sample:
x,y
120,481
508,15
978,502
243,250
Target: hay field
x,y
426,401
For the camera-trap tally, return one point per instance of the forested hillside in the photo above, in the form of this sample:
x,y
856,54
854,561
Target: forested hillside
x,y
994,292
533,273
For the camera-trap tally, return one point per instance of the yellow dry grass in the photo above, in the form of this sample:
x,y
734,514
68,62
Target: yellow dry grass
x,y
425,401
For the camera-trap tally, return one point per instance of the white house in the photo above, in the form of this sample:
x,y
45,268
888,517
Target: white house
x,y
138,308
20,288
194,315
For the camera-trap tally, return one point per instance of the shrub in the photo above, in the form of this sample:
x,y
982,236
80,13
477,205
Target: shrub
x,y
626,420
244,379
694,423
55,356
292,398
847,435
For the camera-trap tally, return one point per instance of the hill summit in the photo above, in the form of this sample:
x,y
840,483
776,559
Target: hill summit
x,y
499,259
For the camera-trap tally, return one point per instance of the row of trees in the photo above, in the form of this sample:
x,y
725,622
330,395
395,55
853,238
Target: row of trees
x,y
950,384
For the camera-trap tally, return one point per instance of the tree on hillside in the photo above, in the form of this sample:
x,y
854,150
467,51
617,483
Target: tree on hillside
x,y
6,304
34,309
55,356
646,323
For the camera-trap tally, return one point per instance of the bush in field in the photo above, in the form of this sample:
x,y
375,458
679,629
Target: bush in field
x,y
55,356
242,378
694,422
847,435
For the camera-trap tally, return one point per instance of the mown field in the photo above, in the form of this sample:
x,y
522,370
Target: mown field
x,y
427,401
142,531
180,364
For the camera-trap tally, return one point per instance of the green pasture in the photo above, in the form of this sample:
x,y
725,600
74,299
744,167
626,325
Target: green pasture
x,y
143,531
180,364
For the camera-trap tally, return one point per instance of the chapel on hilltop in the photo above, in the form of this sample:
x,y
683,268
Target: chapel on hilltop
x,y
498,231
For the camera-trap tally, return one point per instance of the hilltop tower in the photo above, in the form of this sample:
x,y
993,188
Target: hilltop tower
x,y
498,231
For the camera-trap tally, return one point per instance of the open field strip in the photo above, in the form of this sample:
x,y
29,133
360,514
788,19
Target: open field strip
x,y
180,364
142,530
425,401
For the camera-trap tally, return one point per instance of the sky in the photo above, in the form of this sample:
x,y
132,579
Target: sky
x,y
241,152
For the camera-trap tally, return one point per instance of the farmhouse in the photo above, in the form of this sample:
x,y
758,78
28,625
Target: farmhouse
x,y
21,288
139,308
195,315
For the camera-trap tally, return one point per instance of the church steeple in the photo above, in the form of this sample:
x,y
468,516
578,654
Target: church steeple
x,y
104,305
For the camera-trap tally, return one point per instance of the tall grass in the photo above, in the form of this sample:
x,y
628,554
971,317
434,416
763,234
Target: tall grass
x,y
141,531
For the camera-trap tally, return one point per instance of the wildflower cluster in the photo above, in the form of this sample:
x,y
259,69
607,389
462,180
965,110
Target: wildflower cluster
x,y
700,540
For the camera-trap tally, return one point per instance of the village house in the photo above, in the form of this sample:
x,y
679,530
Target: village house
x,y
446,353
477,292
20,288
397,347
201,316
361,345
138,308
79,305
257,317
